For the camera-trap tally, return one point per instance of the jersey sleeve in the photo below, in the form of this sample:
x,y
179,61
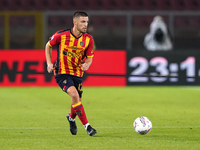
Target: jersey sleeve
x,y
54,40
90,52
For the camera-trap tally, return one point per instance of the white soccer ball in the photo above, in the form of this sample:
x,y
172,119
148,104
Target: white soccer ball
x,y
142,125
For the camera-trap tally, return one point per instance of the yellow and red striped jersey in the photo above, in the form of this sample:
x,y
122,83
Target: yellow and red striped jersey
x,y
71,50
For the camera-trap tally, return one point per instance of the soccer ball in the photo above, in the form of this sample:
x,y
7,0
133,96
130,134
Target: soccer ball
x,y
142,125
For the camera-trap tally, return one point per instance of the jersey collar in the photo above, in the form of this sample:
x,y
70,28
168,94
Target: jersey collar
x,y
74,35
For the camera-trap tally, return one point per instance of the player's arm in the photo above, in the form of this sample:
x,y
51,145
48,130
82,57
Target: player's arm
x,y
89,54
87,63
48,52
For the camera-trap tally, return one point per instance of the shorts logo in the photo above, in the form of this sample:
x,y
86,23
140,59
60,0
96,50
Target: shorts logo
x,y
81,43
65,81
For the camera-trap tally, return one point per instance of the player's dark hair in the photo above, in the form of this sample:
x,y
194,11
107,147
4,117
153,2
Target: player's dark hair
x,y
80,14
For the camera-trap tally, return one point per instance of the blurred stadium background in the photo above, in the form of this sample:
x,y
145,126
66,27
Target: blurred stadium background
x,y
118,24
34,117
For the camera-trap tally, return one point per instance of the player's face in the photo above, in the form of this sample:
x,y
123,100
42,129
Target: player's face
x,y
82,24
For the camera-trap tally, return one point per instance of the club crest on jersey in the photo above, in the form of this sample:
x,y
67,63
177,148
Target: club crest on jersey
x,y
65,81
81,43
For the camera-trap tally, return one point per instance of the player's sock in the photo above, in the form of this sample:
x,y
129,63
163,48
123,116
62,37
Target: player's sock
x,y
73,113
78,108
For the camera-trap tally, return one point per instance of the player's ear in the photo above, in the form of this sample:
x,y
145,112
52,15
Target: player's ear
x,y
75,21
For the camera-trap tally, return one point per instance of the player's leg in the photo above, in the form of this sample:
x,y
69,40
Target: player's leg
x,y
73,113
72,92
78,107
64,81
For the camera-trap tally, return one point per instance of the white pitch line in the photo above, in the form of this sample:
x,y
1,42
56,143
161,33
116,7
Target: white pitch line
x,y
46,128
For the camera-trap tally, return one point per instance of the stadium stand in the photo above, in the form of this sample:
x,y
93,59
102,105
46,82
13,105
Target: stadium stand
x,y
140,23
42,5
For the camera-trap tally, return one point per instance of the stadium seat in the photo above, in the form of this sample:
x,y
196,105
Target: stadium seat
x,y
65,5
115,4
106,5
198,4
67,21
25,5
139,21
190,4
149,19
2,5
57,21
180,22
121,21
96,21
99,21
28,21
15,21
176,5
148,5
194,21
122,5
94,5
54,21
119,4
10,5
80,4
135,5
113,21
162,5
52,5
39,4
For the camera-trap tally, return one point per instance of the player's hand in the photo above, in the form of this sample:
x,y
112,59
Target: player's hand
x,y
50,68
85,66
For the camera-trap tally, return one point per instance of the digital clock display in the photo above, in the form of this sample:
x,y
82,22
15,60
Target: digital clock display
x,y
163,68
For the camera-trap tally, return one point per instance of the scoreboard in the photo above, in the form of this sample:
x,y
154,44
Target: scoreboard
x,y
163,68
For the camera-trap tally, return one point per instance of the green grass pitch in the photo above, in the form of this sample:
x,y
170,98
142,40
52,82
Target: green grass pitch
x,y
33,118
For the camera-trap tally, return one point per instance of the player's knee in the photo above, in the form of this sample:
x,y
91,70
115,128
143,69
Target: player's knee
x,y
75,97
73,93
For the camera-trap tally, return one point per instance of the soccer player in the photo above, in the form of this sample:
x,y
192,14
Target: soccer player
x,y
73,45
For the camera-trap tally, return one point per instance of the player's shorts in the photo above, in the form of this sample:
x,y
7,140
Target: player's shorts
x,y
65,81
